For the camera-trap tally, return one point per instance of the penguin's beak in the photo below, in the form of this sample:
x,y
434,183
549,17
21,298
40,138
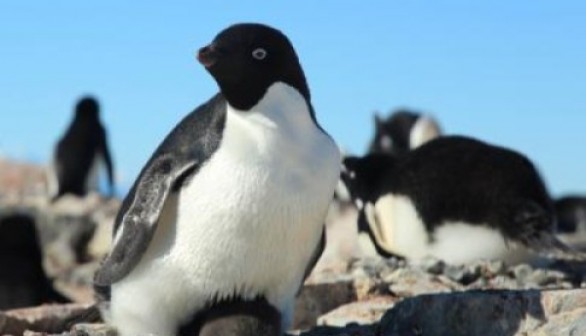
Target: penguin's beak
x,y
207,56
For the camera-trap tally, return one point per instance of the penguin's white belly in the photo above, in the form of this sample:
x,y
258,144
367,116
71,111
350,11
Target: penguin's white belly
x,y
454,242
246,224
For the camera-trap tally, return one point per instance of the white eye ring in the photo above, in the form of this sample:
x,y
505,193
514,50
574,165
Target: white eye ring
x,y
259,53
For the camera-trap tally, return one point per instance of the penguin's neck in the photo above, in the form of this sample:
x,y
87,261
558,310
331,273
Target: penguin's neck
x,y
281,107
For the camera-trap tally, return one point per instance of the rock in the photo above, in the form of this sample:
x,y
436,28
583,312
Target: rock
x,y
487,313
407,282
349,330
463,274
93,330
432,265
20,180
495,267
51,319
522,272
362,312
320,297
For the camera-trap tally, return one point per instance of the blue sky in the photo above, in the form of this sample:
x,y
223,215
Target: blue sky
x,y
509,72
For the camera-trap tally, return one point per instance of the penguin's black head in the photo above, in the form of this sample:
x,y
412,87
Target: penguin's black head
x,y
246,59
87,108
364,177
392,135
402,132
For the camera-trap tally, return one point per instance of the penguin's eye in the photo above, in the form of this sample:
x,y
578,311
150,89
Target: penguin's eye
x,y
259,54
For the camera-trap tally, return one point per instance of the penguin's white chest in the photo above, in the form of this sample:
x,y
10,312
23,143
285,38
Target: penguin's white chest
x,y
248,222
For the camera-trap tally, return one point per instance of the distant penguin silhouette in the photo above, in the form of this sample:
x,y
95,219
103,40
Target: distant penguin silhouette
x,y
23,282
456,199
401,132
80,152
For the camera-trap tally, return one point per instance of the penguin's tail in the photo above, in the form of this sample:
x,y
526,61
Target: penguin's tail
x,y
534,226
548,245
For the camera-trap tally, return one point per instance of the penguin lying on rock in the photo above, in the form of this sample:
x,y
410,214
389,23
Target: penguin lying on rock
x,y
231,206
456,199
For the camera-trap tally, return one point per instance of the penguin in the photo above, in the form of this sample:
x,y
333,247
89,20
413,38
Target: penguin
x,y
23,282
571,214
80,153
402,131
231,205
457,199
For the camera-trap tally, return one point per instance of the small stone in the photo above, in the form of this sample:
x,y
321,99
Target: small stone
x,y
540,278
455,273
496,267
93,330
522,272
432,265
504,282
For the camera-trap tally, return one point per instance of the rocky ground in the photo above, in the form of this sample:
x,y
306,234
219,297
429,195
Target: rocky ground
x,y
348,294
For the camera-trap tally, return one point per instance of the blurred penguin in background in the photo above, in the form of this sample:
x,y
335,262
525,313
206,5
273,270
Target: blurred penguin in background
x,y
23,282
457,199
401,132
80,153
571,214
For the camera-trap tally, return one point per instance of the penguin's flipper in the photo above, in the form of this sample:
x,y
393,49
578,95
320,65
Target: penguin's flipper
x,y
368,221
136,226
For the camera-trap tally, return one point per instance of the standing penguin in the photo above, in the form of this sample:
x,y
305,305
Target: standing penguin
x,y
456,199
231,204
80,153
401,132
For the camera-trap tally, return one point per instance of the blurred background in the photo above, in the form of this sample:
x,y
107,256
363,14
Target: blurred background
x,y
511,73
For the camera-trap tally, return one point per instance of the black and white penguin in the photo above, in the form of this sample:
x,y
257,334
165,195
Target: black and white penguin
x,y
231,204
80,153
402,131
23,282
456,199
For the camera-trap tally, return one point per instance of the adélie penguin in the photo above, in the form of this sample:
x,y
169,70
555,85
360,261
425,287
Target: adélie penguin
x,y
456,199
80,153
402,131
231,204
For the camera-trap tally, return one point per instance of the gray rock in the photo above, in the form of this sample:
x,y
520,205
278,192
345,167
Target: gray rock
x,y
487,313
92,330
522,272
318,298
495,267
46,319
433,265
361,312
